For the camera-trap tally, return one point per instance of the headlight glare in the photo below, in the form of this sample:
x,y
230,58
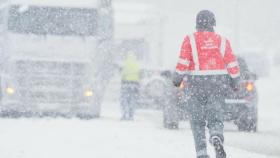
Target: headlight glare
x,y
10,90
88,93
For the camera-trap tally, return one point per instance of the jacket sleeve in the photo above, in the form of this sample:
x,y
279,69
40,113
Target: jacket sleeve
x,y
185,58
231,62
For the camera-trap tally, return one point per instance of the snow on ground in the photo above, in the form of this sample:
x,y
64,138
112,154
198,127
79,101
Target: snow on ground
x,y
102,138
108,137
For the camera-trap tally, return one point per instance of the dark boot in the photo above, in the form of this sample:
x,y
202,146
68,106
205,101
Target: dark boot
x,y
219,148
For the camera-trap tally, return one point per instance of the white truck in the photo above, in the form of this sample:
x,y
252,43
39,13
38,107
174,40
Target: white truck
x,y
52,54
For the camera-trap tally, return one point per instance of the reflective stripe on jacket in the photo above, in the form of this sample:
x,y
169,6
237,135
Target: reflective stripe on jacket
x,y
207,53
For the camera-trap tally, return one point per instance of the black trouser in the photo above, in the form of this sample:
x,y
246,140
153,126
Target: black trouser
x,y
207,97
129,98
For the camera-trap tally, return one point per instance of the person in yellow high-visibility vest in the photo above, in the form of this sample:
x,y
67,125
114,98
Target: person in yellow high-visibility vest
x,y
130,76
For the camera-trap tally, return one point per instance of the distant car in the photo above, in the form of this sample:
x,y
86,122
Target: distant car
x,y
154,84
240,105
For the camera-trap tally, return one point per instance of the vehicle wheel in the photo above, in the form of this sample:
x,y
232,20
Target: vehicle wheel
x,y
170,117
86,116
27,114
170,120
247,125
3,114
10,114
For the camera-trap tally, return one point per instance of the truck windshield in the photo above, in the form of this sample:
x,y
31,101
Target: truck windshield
x,y
52,20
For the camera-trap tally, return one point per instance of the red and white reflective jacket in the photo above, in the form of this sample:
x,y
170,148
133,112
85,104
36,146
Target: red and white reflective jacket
x,y
207,53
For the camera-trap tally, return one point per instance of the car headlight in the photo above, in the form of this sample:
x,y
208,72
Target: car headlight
x,y
10,90
88,93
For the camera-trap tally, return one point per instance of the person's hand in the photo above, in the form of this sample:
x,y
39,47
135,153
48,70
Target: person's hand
x,y
176,83
177,79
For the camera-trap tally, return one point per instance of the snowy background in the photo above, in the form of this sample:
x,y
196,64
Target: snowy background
x,y
250,25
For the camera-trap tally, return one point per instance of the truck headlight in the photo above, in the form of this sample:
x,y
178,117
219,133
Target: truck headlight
x,y
88,93
10,90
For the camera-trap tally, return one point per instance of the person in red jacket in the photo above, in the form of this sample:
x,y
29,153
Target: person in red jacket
x,y
210,66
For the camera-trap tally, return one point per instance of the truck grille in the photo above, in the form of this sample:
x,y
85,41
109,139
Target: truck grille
x,y
42,81
47,96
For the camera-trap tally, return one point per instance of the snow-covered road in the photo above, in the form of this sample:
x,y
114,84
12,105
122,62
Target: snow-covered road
x,y
108,137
